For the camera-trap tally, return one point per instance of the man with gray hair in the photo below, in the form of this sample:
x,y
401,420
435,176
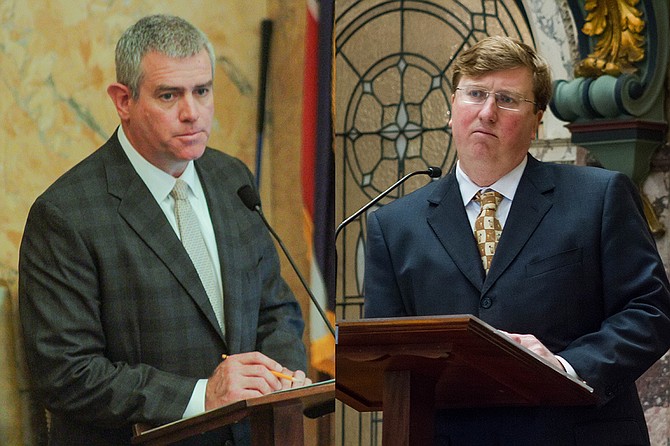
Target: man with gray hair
x,y
140,268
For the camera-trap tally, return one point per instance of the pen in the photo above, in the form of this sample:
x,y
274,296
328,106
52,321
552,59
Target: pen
x,y
277,374
282,375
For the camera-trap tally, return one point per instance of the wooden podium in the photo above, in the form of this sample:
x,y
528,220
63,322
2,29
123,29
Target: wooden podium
x,y
409,367
276,419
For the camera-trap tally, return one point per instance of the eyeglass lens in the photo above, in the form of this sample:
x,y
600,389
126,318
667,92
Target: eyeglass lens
x,y
504,100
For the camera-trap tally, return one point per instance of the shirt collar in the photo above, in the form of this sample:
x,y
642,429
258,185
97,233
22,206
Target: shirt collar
x,y
506,185
160,183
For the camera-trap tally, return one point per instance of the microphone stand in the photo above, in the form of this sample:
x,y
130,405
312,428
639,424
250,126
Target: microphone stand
x,y
249,198
433,172
297,272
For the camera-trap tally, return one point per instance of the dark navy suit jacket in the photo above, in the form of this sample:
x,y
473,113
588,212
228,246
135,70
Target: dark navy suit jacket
x,y
576,266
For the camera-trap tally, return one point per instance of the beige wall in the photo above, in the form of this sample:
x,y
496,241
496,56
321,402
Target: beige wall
x,y
56,60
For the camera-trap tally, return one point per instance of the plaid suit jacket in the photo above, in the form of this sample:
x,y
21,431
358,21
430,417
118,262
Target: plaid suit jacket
x,y
117,324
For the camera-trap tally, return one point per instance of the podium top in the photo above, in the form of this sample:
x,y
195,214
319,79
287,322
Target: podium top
x,y
310,397
471,364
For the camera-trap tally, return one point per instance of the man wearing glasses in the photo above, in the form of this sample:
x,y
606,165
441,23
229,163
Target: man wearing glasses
x,y
559,257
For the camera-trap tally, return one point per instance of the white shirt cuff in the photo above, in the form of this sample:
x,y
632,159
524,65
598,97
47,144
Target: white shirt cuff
x,y
196,404
568,368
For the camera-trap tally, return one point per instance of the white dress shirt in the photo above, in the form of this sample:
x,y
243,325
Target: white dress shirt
x,y
160,184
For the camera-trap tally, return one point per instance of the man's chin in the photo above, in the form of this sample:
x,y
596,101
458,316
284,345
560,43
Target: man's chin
x,y
192,154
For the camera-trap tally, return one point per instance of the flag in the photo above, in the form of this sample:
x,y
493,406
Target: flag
x,y
318,182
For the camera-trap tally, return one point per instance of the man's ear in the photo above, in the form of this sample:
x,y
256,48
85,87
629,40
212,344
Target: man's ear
x,y
121,98
538,121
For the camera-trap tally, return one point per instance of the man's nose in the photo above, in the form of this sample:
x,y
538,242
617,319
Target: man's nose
x,y
489,108
188,110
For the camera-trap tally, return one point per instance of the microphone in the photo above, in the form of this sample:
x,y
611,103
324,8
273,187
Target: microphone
x,y
432,171
253,202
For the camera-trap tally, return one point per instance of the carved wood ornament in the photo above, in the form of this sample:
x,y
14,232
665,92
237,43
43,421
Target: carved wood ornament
x,y
621,43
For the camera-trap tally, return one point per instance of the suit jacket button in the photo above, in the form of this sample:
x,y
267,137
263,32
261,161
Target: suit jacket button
x,y
486,302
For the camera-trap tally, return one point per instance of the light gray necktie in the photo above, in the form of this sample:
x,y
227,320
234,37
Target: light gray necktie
x,y
193,241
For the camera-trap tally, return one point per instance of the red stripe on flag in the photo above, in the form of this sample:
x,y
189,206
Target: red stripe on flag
x,y
309,111
322,344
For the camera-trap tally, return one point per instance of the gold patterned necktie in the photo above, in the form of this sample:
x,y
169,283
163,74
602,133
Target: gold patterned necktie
x,y
194,243
487,225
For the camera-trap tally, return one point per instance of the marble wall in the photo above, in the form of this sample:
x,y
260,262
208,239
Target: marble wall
x,y
56,60
654,385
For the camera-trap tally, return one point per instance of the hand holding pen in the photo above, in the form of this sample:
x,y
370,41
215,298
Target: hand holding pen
x,y
248,375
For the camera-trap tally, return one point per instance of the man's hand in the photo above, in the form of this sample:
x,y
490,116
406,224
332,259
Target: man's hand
x,y
533,344
299,379
248,375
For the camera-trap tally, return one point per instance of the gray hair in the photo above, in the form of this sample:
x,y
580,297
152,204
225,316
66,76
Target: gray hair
x,y
165,34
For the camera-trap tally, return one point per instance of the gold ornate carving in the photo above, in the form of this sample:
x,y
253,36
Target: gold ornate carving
x,y
655,225
619,25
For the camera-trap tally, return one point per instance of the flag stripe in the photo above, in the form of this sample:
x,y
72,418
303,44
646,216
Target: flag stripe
x,y
318,177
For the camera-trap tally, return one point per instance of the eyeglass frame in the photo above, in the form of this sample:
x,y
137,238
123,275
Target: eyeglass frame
x,y
496,95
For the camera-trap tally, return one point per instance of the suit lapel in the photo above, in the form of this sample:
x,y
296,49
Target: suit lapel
x,y
528,208
447,217
221,208
139,209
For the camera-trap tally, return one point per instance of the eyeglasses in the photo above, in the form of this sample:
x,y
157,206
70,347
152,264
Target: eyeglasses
x,y
504,99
